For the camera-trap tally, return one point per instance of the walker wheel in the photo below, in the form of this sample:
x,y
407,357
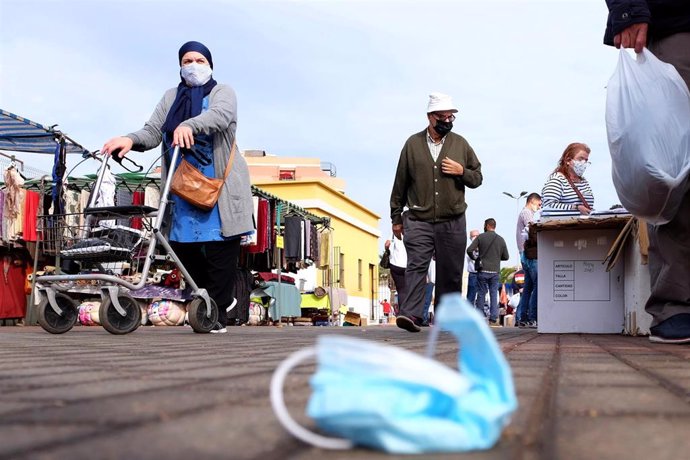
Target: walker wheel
x,y
113,321
53,322
197,315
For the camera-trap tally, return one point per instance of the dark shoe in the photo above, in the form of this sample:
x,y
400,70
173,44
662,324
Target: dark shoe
x,y
523,324
494,323
409,324
218,329
675,330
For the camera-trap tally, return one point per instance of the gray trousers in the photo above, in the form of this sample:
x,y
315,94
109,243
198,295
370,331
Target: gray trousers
x,y
669,244
448,241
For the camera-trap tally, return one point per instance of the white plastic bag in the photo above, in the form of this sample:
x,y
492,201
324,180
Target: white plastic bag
x,y
648,127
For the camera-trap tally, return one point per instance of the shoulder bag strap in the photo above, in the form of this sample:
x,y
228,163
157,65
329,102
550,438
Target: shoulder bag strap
x,y
577,190
228,167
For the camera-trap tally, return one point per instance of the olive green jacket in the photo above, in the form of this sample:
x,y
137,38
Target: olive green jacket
x,y
430,195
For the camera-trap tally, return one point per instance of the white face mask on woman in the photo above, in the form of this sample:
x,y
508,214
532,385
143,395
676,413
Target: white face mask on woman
x,y
579,167
196,74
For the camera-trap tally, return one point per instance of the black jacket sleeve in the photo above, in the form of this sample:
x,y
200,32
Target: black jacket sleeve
x,y
623,14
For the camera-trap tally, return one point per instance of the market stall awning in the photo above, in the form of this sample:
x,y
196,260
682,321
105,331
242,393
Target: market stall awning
x,y
21,135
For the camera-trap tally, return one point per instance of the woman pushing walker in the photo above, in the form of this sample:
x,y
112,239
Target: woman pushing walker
x,y
200,117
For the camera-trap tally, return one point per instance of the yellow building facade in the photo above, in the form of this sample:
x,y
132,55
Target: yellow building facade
x,y
312,185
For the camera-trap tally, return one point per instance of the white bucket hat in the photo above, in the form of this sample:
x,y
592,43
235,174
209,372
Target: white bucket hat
x,y
439,102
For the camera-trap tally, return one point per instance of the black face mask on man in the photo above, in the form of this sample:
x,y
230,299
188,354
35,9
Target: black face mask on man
x,y
443,127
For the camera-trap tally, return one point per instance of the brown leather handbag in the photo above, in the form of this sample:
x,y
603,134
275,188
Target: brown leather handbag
x,y
192,186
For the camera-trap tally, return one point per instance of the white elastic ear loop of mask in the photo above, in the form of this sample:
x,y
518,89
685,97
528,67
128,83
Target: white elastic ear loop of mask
x,y
278,404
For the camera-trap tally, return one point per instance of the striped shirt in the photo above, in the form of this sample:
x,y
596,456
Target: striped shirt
x,y
558,194
434,147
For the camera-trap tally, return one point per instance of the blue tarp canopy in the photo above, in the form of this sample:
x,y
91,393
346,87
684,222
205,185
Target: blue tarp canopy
x,y
22,135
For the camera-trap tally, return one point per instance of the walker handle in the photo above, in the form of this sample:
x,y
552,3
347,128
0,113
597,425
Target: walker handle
x,y
115,155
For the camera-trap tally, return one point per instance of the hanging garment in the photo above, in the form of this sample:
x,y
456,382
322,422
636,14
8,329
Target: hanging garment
x,y
253,238
138,199
13,202
12,280
106,195
307,240
293,238
83,203
31,204
123,197
73,208
2,214
262,230
152,197
17,227
325,249
13,186
314,244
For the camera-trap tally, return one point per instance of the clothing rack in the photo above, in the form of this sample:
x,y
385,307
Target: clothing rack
x,y
289,208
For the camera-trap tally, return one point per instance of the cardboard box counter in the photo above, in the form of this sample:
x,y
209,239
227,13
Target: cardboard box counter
x,y
575,292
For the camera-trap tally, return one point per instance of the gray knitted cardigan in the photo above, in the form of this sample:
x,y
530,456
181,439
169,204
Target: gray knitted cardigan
x,y
220,120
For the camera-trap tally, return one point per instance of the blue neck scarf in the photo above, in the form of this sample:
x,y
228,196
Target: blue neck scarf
x,y
187,104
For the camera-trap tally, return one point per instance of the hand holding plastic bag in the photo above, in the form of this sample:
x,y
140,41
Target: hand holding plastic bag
x,y
388,398
648,126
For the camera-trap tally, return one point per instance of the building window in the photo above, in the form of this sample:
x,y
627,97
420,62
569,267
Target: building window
x,y
359,274
286,174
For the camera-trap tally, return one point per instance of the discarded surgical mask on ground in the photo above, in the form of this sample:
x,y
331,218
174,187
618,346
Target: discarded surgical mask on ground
x,y
648,127
384,397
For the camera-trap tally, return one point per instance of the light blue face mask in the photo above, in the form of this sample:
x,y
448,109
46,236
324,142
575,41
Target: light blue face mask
x,y
384,397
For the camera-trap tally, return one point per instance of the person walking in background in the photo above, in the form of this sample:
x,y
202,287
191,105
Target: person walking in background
x,y
434,169
200,116
429,291
492,250
386,308
664,27
398,263
567,189
472,283
527,308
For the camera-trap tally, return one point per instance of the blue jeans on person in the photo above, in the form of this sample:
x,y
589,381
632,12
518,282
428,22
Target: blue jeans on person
x,y
488,282
527,309
472,287
428,294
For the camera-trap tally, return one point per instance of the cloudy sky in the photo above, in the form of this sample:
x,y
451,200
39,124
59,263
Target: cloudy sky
x,y
343,81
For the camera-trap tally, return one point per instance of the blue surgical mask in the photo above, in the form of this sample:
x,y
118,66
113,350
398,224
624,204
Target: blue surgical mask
x,y
196,74
375,395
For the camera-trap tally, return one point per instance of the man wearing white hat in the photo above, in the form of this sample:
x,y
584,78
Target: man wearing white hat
x,y
434,169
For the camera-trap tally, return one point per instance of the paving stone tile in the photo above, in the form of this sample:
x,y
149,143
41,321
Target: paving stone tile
x,y
591,378
650,399
622,437
20,438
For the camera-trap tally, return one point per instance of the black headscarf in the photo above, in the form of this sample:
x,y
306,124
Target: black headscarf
x,y
188,101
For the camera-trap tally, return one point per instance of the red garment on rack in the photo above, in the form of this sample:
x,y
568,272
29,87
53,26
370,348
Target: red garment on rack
x,y
261,229
137,200
12,295
31,204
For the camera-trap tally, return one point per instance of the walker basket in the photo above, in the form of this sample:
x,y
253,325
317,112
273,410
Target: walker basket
x,y
102,238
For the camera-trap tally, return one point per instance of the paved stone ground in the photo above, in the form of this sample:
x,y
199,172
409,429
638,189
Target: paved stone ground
x,y
167,393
